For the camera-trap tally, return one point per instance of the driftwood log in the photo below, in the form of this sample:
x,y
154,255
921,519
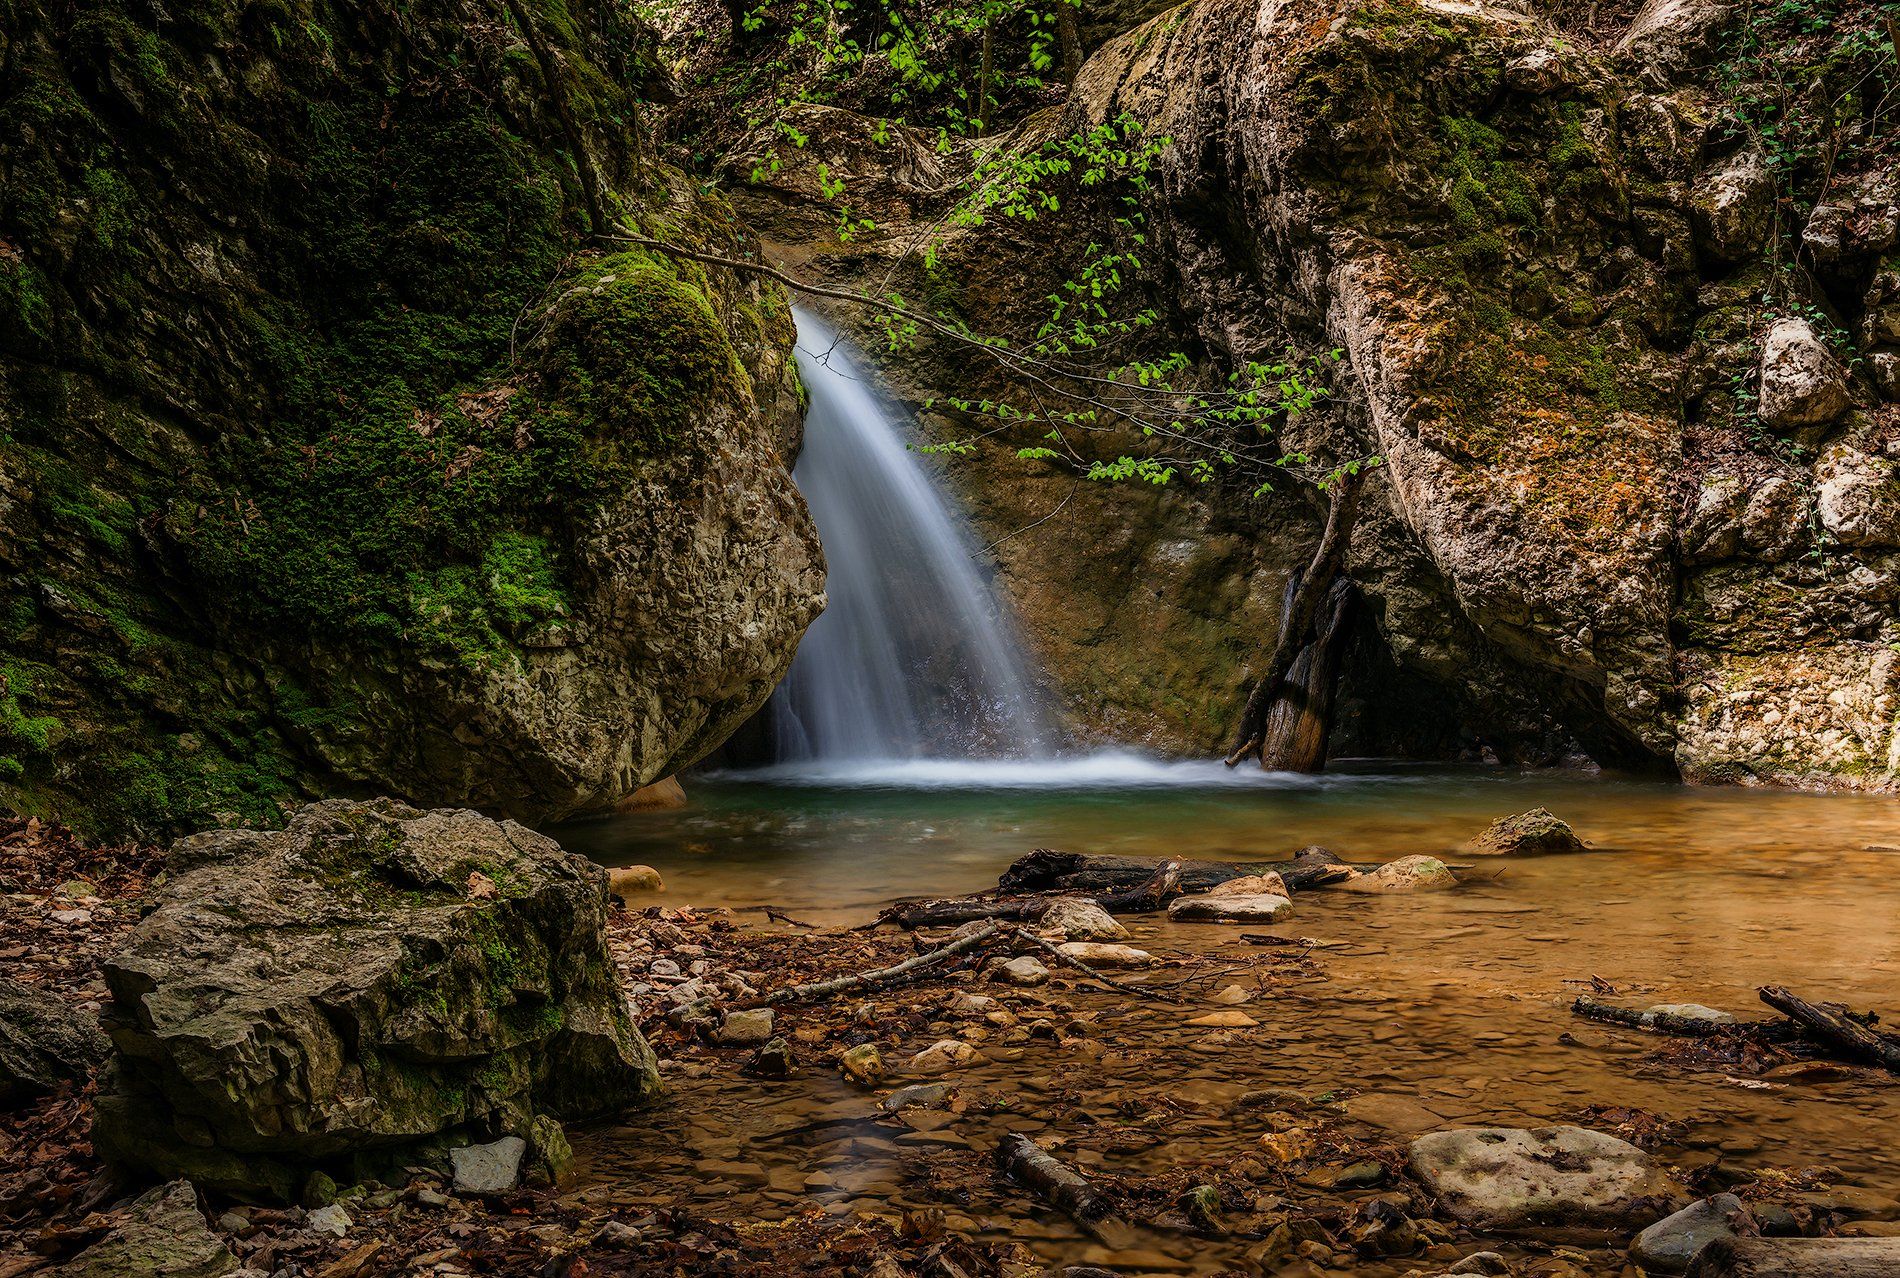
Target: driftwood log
x,y
1300,720
1798,1258
1061,1186
1076,873
1146,897
1836,1028
1665,1022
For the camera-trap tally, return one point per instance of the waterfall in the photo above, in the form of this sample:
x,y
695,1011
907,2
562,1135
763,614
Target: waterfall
x,y
914,658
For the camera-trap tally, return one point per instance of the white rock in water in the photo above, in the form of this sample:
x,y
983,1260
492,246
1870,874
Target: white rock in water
x,y
1021,971
1265,908
1076,919
1103,954
493,1168
1802,385
746,1029
1407,874
1268,884
945,1055
1508,1178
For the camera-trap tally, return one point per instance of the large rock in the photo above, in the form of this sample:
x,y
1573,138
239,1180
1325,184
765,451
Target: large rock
x,y
44,1042
1857,496
372,985
1510,1178
1537,832
1264,907
1803,386
1407,874
1669,37
1077,919
1734,205
160,1234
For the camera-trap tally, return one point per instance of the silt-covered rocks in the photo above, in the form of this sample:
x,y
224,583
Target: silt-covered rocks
x,y
374,984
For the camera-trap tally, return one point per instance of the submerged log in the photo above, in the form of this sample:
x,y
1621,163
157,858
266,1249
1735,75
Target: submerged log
x,y
1047,870
1061,1186
1798,1258
1301,718
1838,1029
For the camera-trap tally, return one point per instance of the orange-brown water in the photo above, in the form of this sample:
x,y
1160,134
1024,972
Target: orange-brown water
x,y
1430,1011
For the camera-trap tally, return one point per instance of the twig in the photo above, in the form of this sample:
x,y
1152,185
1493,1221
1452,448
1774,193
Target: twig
x,y
1067,960
881,976
1837,1029
1666,1022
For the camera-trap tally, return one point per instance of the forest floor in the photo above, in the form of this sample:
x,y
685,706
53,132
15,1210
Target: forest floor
x,y
889,1180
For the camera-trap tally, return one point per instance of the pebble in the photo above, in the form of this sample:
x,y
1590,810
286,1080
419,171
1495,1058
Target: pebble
x,y
333,1221
863,1064
918,1096
488,1169
1224,1020
945,1055
746,1029
1021,971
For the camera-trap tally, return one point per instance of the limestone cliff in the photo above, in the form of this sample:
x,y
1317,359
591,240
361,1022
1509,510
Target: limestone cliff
x,y
338,452
1625,370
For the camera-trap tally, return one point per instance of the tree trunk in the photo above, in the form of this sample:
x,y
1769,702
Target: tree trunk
x,y
984,70
1068,41
1301,718
1301,608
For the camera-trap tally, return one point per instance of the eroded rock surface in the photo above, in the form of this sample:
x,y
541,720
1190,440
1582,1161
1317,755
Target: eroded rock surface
x,y
1510,1178
368,987
44,1042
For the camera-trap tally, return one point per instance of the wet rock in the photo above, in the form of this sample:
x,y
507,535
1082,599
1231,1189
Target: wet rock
x,y
1080,920
160,1235
631,880
773,1060
1263,908
1023,971
1508,1178
1857,496
1229,1019
1733,207
44,1042
964,1003
1669,1245
245,1005
1407,874
1533,833
918,1096
494,1168
1381,1228
748,1028
550,1158
1232,995
1802,386
944,1055
863,1064
1103,954
1489,1263
664,795
1268,884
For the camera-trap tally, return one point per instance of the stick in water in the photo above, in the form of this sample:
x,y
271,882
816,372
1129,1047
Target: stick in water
x,y
897,972
1836,1029
1061,1186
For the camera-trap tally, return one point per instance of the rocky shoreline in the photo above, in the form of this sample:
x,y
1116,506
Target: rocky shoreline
x,y
727,1002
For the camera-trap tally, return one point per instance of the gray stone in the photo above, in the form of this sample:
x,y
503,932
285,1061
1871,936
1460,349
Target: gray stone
x,y
774,1059
1857,496
1509,1178
1076,919
1105,954
1021,971
1489,1263
245,1003
494,1168
748,1028
550,1158
161,1234
1885,368
44,1041
332,1221
1733,206
1669,37
1263,908
1803,387
918,1096
1669,1245
1533,833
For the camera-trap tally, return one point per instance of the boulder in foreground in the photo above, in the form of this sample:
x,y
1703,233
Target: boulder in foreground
x,y
161,1234
370,987
1533,833
1510,1178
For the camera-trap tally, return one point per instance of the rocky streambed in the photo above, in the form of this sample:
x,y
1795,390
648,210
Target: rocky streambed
x,y
1306,1091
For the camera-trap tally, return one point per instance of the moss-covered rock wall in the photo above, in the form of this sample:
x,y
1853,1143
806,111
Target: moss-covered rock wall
x,y
339,451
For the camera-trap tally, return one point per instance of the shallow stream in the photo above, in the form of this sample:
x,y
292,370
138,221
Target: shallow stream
x,y
1425,1011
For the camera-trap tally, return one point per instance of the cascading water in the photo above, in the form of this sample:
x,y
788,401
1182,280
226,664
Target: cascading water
x,y
913,658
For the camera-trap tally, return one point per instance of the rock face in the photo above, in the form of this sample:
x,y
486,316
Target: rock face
x,y
43,1043
1509,1178
1533,833
161,1234
372,985
1543,269
339,454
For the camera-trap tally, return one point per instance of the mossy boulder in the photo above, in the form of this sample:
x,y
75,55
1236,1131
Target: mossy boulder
x,y
368,987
